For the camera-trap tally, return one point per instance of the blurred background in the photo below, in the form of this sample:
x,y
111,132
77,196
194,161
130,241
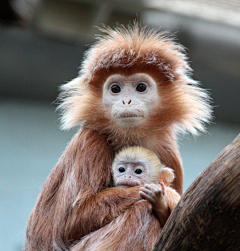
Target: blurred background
x,y
41,47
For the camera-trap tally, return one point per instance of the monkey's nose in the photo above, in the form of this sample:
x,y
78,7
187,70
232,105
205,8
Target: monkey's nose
x,y
127,102
127,176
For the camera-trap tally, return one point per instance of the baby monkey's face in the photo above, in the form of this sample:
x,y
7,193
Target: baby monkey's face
x,y
128,174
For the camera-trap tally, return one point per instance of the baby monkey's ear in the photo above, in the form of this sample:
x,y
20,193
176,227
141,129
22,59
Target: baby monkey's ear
x,y
167,176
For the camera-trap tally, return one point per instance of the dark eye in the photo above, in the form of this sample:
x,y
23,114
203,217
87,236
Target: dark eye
x,y
121,169
141,87
115,88
138,171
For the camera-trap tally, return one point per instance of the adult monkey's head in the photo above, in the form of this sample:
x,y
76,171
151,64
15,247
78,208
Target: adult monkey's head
x,y
132,81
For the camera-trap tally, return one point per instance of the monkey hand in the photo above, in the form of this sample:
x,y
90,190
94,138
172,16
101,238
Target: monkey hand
x,y
152,192
155,194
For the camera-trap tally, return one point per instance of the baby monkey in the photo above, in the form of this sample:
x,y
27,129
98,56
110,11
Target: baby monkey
x,y
138,166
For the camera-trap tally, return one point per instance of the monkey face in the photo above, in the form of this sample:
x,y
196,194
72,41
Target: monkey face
x,y
129,174
130,100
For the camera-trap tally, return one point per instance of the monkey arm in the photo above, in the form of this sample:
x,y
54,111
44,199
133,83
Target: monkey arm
x,y
136,229
99,210
155,194
165,205
172,197
163,199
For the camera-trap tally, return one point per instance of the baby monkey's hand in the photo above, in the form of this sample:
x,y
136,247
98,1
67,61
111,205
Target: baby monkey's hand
x,y
155,194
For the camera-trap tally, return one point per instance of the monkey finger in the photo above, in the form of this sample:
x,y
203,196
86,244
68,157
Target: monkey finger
x,y
146,196
147,191
148,186
152,187
156,189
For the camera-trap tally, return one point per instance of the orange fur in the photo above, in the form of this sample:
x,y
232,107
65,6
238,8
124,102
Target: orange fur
x,y
142,236
77,198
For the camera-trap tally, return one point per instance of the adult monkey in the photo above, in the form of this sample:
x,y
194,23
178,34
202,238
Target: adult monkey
x,y
133,89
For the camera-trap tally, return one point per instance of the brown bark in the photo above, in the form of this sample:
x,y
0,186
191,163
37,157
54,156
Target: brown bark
x,y
208,215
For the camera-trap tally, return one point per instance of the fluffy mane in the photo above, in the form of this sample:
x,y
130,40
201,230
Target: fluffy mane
x,y
128,50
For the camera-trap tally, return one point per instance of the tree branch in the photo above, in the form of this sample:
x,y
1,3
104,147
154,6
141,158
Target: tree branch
x,y
208,215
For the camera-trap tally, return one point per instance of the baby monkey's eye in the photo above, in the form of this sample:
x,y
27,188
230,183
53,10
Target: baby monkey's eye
x,y
138,171
121,169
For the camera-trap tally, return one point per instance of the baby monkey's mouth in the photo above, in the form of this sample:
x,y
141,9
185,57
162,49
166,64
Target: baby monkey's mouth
x,y
129,183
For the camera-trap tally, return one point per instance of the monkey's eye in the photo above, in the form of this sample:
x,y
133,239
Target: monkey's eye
x,y
141,87
115,88
138,171
121,169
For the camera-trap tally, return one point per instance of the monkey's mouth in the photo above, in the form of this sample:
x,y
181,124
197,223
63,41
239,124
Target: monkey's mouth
x,y
129,119
128,184
129,115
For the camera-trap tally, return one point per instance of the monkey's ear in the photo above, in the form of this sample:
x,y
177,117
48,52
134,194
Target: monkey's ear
x,y
167,176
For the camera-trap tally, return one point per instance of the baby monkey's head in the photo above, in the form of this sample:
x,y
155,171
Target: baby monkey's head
x,y
135,166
